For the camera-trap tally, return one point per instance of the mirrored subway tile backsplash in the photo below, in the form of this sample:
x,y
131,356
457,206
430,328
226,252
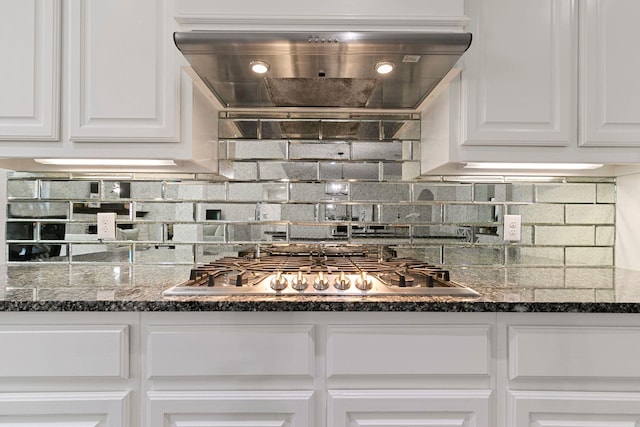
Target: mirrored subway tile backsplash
x,y
567,223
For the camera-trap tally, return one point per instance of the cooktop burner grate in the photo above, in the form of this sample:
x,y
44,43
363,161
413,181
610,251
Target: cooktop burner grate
x,y
291,273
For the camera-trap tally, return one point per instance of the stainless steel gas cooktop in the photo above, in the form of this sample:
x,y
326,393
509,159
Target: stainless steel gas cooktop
x,y
319,270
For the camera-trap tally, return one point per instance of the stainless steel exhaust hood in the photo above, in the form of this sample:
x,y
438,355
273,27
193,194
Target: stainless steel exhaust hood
x,y
322,69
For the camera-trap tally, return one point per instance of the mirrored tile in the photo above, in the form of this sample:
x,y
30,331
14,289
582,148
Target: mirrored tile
x,y
240,171
401,129
443,192
318,191
226,212
237,128
380,191
165,211
256,232
195,191
38,210
299,171
381,151
263,149
352,171
319,150
164,254
18,189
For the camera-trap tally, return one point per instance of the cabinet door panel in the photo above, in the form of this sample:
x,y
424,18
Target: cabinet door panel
x,y
122,77
29,75
575,409
519,73
400,408
230,408
82,409
610,105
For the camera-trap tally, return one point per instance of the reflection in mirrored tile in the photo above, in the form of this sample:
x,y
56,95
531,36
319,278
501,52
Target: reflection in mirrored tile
x,y
237,128
319,150
210,252
401,129
256,232
412,213
164,254
379,151
389,234
247,149
195,191
471,214
88,211
226,212
38,209
238,170
316,233
320,191
492,192
299,171
165,211
380,191
18,189
68,189
443,192
352,171
299,212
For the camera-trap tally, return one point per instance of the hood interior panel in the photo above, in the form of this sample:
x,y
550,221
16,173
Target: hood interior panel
x,y
319,70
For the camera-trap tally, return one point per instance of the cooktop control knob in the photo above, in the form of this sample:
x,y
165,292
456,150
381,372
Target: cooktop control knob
x,y
299,282
342,282
279,282
321,283
363,282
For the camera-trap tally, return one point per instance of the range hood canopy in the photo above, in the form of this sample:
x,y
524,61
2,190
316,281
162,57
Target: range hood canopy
x,y
310,69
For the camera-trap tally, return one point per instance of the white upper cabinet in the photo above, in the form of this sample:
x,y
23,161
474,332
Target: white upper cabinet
x,y
123,83
543,81
518,86
30,71
609,73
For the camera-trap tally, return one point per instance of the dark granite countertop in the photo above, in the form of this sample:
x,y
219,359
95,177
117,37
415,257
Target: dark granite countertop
x,y
64,287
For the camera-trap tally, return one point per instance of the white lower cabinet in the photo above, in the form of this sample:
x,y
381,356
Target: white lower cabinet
x,y
575,370
69,369
319,369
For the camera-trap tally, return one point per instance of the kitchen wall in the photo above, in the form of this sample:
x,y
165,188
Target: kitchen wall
x,y
568,223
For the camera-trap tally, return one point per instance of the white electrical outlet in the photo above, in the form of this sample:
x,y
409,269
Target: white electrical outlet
x,y
106,225
512,227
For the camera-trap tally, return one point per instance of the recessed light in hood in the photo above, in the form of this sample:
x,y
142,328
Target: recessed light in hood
x,y
311,69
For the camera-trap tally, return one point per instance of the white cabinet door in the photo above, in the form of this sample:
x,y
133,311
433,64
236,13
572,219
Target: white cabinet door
x,y
123,81
575,409
610,66
50,409
401,408
29,75
518,78
230,408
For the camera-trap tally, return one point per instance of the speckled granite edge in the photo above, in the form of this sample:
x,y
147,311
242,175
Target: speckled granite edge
x,y
325,306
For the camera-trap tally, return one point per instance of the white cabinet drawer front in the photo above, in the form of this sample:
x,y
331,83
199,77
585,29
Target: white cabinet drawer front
x,y
409,350
402,408
574,409
64,351
84,409
230,350
547,351
230,408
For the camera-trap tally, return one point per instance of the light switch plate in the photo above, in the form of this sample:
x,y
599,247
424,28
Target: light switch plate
x,y
512,227
106,225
